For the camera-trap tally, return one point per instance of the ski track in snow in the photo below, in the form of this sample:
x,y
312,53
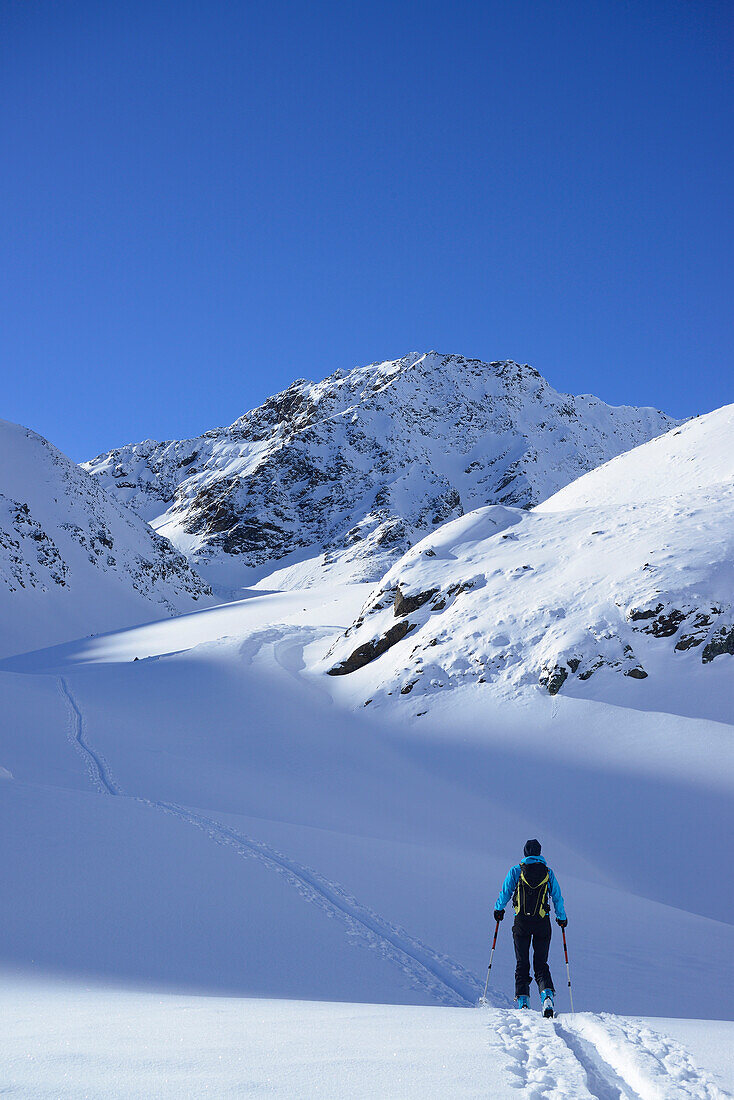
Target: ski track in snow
x,y
445,980
583,1056
545,1066
603,1080
97,769
648,1065
602,1057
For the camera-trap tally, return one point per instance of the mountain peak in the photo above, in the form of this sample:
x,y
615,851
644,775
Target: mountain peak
x,y
343,475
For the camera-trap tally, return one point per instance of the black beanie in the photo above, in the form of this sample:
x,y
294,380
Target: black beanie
x,y
532,848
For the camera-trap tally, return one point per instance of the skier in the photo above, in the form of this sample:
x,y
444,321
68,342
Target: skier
x,y
528,884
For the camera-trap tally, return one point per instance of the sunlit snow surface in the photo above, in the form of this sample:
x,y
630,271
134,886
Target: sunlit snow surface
x,y
104,1043
612,588
230,832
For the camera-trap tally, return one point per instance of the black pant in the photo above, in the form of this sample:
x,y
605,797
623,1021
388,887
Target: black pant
x,y
539,933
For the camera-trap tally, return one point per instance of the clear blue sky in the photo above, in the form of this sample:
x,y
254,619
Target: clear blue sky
x,y
203,201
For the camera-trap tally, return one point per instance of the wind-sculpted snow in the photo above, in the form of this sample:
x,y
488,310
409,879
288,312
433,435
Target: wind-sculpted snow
x,y
341,477
625,573
72,559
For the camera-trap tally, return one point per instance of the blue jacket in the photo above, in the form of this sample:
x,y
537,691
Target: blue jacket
x,y
513,877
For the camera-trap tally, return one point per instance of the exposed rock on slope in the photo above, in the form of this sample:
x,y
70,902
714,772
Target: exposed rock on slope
x,y
628,570
72,560
343,476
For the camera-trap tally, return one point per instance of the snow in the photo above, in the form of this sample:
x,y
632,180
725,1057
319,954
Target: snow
x,y
611,590
73,561
226,875
100,1042
218,778
333,481
688,459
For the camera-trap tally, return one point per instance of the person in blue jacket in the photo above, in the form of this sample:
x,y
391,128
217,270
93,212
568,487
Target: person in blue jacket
x,y
529,884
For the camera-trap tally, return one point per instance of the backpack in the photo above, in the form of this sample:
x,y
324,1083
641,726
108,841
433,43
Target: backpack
x,y
531,893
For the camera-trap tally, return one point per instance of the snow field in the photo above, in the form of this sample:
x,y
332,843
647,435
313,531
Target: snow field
x,y
193,806
67,1040
215,782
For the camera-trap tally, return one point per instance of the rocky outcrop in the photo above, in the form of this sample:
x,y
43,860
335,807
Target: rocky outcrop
x,y
552,678
404,605
722,641
369,651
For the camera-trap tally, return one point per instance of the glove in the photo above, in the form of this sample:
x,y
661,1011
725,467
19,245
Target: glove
x,y
499,914
561,923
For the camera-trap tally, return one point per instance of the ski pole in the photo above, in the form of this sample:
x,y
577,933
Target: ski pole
x,y
483,1000
568,972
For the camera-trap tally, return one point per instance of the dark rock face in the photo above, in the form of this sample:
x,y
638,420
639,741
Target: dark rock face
x,y
637,614
404,605
696,631
664,625
593,667
368,652
722,641
553,678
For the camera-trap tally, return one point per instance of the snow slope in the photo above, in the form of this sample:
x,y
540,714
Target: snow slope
x,y
618,588
335,480
72,559
119,1043
298,889
242,832
208,818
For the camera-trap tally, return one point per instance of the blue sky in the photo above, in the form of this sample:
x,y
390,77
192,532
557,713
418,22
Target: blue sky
x,y
203,201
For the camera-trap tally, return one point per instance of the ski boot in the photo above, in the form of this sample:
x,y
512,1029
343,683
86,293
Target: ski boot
x,y
547,998
523,1002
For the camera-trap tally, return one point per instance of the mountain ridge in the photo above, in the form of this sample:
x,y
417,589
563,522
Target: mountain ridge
x,y
340,477
72,558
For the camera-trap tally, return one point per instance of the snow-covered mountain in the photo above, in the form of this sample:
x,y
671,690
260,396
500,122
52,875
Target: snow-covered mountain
x,y
72,559
341,477
194,809
629,570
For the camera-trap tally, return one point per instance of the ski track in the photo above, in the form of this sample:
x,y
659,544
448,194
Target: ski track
x,y
582,1056
602,1057
649,1065
541,1064
603,1081
97,769
446,981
